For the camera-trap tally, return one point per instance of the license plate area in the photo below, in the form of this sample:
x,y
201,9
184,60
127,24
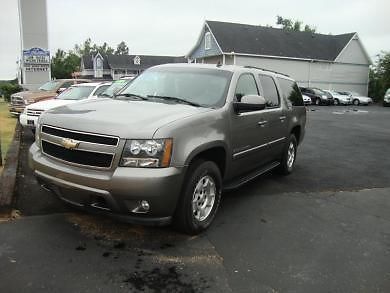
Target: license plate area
x,y
30,122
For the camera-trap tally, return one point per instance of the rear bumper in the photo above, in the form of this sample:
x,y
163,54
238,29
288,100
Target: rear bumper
x,y
116,193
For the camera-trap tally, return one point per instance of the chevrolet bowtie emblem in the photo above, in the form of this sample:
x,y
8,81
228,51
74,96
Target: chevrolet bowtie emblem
x,y
70,144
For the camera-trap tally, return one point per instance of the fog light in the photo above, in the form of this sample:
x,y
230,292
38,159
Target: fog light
x,y
142,207
145,205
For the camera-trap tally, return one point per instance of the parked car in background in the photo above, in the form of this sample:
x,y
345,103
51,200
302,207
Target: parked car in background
x,y
165,147
115,86
357,99
306,100
339,99
47,91
75,93
386,98
318,97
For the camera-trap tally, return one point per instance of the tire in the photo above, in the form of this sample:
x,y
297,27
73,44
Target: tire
x,y
286,166
336,102
187,217
318,102
356,102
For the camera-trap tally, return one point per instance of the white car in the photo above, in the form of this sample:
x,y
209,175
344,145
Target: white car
x,y
306,100
357,99
73,94
339,99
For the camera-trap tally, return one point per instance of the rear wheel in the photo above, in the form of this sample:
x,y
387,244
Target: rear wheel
x,y
289,156
336,102
318,102
199,202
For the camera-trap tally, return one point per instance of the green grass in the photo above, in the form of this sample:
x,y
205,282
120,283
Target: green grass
x,y
7,128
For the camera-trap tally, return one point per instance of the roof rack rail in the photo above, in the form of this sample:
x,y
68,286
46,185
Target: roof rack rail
x,y
265,69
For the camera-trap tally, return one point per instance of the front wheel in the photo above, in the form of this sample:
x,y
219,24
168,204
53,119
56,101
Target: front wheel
x,y
289,156
356,102
318,102
199,202
336,102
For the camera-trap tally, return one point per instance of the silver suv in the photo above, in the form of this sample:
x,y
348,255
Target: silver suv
x,y
165,147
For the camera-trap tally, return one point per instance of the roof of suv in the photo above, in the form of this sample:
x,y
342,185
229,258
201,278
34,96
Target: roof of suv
x,y
231,68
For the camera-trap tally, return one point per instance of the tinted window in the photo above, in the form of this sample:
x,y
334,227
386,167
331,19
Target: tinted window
x,y
76,93
269,91
246,85
291,91
100,90
67,84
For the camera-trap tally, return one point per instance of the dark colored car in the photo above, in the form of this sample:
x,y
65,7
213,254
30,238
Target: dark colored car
x,y
318,96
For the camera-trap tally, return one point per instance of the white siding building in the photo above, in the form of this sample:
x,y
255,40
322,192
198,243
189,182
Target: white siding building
x,y
337,62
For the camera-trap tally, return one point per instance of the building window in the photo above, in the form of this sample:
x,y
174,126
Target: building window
x,y
137,60
99,68
207,41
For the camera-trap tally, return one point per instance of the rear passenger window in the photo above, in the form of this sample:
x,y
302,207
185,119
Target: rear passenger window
x,y
270,92
246,85
100,90
291,91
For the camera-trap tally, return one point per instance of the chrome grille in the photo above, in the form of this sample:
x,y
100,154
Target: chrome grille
x,y
90,149
34,112
17,101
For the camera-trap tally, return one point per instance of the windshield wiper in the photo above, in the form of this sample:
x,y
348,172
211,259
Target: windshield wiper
x,y
132,96
176,99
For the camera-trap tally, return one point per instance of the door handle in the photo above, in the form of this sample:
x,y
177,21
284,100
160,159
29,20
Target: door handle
x,y
282,118
262,123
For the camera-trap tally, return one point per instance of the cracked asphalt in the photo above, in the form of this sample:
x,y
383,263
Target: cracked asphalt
x,y
325,228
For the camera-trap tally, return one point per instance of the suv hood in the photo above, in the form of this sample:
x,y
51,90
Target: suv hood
x,y
27,95
126,119
50,104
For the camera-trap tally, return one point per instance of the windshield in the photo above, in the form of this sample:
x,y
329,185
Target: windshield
x,y
114,88
50,86
76,93
201,86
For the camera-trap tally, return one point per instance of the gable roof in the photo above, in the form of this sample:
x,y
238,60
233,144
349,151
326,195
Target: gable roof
x,y
111,61
268,41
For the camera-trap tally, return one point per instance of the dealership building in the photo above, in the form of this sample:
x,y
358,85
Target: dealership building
x,y
338,62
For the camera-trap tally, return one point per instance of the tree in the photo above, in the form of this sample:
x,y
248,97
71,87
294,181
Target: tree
x,y
122,49
379,77
293,25
64,64
89,48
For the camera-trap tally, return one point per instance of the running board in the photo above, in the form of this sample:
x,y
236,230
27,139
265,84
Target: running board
x,y
242,180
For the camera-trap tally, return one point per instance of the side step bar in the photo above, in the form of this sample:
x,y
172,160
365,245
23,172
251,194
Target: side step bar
x,y
242,180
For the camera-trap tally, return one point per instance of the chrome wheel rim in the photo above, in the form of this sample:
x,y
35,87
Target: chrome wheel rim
x,y
290,155
203,198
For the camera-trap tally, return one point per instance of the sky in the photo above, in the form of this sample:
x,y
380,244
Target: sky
x,y
171,27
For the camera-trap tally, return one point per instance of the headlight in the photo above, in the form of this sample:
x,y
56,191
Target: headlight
x,y
147,153
38,133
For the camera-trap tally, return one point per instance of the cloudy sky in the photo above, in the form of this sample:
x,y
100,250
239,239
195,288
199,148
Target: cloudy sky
x,y
171,27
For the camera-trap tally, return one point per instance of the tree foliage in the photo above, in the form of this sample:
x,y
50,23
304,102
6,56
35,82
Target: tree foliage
x,y
7,88
122,49
63,64
293,25
379,78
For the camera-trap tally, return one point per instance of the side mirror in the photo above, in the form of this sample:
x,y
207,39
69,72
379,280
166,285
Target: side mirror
x,y
61,89
250,103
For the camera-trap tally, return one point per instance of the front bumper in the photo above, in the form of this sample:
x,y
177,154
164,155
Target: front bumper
x,y
116,192
16,110
28,121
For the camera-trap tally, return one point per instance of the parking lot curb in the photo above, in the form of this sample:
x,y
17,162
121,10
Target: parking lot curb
x,y
8,177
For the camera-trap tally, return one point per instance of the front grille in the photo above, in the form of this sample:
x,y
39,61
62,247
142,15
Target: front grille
x,y
34,112
17,101
77,156
81,136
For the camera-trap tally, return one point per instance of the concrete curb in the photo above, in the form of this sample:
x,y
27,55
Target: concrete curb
x,y
8,177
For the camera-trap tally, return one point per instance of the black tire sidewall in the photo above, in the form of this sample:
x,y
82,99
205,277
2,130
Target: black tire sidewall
x,y
188,223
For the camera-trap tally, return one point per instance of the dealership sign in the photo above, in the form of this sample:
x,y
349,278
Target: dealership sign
x,y
36,59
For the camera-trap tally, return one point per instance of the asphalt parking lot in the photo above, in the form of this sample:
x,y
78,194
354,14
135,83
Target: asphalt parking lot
x,y
325,228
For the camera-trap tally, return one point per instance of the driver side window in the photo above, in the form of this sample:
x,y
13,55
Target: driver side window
x,y
246,85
